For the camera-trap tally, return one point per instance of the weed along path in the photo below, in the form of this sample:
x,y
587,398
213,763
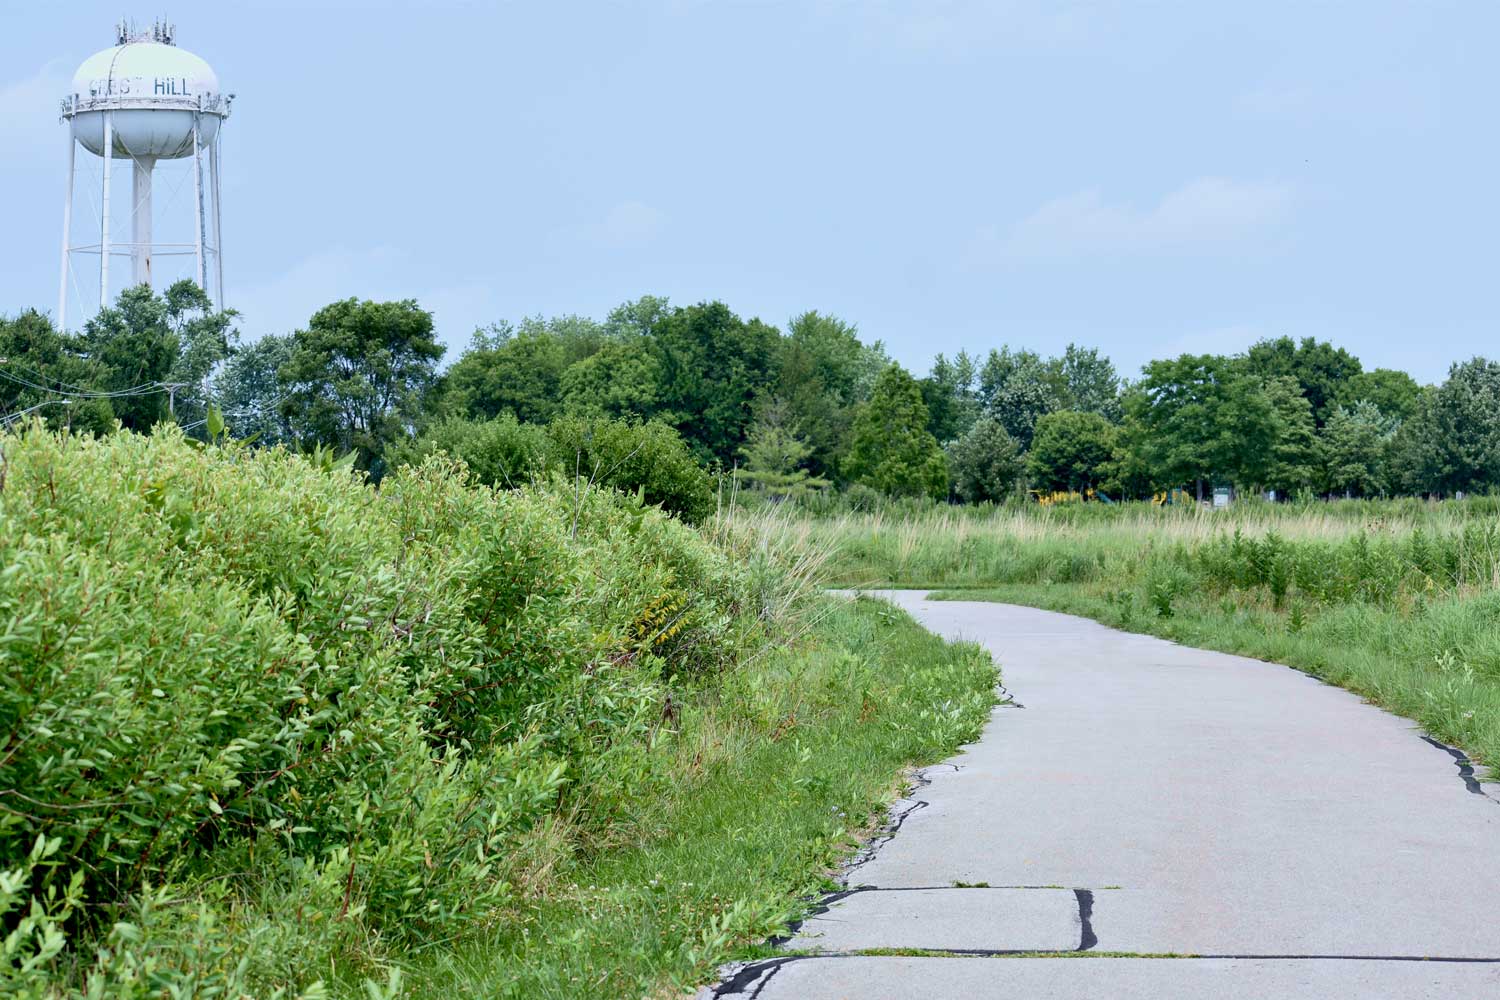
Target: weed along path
x,y
1278,836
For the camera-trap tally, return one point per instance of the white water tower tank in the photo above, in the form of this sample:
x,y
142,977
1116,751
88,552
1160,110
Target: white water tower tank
x,y
144,100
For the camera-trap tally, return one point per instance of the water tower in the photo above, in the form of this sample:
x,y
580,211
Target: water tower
x,y
142,101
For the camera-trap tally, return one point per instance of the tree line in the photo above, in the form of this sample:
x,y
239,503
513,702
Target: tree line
x,y
654,394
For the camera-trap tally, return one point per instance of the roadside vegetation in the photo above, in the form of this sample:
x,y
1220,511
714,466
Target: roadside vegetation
x,y
272,731
1396,600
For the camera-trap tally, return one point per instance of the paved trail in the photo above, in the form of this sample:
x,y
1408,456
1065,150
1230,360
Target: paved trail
x,y
1150,798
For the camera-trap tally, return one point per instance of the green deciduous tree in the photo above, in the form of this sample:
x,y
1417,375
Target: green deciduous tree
x,y
619,380
1088,383
249,389
1356,444
135,350
1200,419
951,393
1395,394
41,371
824,371
1292,460
891,448
206,337
1320,369
504,371
132,362
1462,434
1070,451
636,317
1130,473
1016,388
985,464
358,376
713,365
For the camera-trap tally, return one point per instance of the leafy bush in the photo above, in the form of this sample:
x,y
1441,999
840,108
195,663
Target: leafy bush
x,y
646,458
985,463
229,661
502,452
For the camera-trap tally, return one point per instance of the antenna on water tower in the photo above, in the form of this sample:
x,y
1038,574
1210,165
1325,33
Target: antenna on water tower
x,y
146,100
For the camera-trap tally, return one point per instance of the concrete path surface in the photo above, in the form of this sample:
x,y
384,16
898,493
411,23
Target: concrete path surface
x,y
1151,799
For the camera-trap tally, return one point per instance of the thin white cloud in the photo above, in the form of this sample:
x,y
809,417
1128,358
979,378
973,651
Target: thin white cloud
x,y
629,225
1388,99
959,28
1217,340
1205,211
285,302
458,310
29,114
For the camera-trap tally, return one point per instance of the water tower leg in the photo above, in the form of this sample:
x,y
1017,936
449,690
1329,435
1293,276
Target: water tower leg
x,y
141,235
109,145
200,273
62,285
214,183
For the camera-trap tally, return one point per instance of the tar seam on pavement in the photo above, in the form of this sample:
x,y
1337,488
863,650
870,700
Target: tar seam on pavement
x,y
1463,763
1087,938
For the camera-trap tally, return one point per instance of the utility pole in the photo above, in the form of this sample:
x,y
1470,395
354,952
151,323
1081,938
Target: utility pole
x,y
172,388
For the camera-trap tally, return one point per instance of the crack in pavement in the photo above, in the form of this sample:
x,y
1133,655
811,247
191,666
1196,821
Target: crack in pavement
x,y
1463,763
1087,939
738,978
753,975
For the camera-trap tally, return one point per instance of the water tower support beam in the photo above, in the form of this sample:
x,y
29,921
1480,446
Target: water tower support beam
x,y
62,288
201,274
213,168
141,234
109,144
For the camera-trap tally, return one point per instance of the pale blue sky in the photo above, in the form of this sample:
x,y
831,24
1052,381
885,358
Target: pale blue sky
x,y
1149,178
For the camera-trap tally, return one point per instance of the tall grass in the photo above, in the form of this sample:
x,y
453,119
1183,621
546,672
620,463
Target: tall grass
x,y
956,546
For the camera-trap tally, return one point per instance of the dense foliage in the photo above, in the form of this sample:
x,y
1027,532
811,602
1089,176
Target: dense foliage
x,y
789,413
891,448
253,687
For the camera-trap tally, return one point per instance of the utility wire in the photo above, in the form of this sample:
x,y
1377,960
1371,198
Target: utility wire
x,y
262,412
71,386
144,389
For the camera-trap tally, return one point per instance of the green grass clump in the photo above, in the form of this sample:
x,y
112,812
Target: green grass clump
x,y
269,731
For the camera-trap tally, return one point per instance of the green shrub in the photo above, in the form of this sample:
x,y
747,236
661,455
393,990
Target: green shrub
x,y
646,458
224,662
502,452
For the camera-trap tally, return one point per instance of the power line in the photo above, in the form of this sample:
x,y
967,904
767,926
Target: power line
x,y
144,389
70,385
